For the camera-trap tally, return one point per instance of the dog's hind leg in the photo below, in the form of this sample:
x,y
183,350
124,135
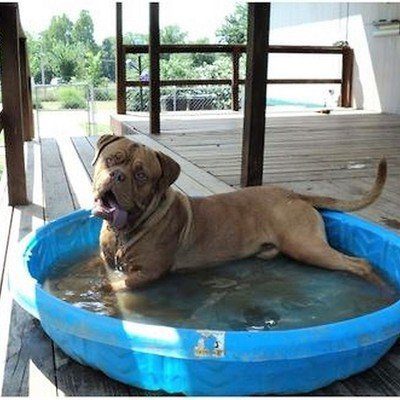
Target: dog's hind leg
x,y
306,242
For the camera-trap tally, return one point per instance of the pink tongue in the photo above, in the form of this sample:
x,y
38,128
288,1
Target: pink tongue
x,y
120,216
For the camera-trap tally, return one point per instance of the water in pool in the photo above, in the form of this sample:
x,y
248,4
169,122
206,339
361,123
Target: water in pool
x,y
250,294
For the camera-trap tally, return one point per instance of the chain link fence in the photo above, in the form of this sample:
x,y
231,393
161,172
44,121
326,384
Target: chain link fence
x,y
207,97
82,109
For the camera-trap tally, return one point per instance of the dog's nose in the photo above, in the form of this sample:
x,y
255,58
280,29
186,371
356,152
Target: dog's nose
x,y
117,175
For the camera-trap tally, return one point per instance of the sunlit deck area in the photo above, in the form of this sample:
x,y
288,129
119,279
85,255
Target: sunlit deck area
x,y
329,154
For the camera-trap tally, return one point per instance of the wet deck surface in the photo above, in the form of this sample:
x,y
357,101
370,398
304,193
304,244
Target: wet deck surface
x,y
331,155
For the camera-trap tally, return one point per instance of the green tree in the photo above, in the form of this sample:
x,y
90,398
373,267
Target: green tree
x,y
136,38
178,66
234,29
66,60
108,58
59,31
57,52
172,34
200,59
83,30
93,68
37,60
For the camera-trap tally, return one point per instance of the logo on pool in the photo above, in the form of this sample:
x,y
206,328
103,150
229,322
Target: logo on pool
x,y
210,344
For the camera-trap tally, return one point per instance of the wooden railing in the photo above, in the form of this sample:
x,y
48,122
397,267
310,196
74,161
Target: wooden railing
x,y
16,117
235,51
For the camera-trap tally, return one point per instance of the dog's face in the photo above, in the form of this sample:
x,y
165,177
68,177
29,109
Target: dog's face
x,y
127,176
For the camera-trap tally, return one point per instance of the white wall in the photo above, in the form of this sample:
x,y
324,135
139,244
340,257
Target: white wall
x,y
376,83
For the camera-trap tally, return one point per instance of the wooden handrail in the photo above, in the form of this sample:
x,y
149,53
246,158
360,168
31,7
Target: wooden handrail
x,y
230,48
199,82
235,50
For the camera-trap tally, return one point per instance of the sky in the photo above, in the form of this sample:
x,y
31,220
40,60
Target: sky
x,y
199,18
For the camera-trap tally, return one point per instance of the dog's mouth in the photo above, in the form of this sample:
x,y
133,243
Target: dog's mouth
x,y
106,206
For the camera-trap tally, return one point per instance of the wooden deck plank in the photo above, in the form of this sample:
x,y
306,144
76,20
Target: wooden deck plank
x,y
85,152
26,353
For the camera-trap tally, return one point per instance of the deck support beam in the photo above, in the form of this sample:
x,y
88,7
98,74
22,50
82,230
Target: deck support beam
x,y
235,80
26,87
120,63
255,95
154,83
347,76
12,116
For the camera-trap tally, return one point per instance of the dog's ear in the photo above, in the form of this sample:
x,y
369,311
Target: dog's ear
x,y
170,170
102,142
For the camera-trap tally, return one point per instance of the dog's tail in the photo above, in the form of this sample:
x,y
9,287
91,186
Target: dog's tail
x,y
352,205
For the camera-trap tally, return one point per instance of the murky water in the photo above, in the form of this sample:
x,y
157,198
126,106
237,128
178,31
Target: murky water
x,y
249,294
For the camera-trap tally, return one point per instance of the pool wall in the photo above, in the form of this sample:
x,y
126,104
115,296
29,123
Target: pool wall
x,y
209,362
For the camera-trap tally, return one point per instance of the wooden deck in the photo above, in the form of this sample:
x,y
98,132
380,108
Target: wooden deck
x,y
313,156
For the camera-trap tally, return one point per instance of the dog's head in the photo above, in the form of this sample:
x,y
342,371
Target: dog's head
x,y
127,176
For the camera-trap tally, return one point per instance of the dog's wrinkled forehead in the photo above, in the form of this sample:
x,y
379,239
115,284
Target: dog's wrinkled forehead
x,y
102,143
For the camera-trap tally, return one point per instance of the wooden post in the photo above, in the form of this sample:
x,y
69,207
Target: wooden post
x,y
12,104
347,77
120,64
154,54
235,80
255,96
27,110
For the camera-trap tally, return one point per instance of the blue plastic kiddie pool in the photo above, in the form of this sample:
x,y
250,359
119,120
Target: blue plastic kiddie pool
x,y
200,362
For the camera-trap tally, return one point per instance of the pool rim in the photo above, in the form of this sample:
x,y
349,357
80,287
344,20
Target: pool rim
x,y
174,342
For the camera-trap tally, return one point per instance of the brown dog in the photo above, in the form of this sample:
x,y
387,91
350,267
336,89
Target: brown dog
x,y
150,229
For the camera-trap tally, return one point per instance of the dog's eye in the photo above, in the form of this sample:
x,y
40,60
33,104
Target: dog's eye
x,y
109,161
140,176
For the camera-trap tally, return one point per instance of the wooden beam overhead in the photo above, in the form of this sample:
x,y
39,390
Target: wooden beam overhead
x,y
255,94
154,55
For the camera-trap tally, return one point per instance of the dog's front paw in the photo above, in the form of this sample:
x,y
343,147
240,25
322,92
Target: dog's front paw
x,y
112,286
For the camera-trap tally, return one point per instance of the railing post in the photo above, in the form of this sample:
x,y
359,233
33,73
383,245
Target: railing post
x,y
347,76
27,109
235,80
154,83
120,63
255,96
12,104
